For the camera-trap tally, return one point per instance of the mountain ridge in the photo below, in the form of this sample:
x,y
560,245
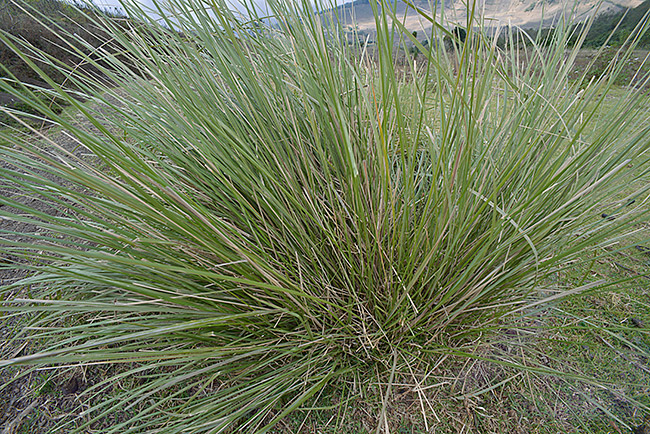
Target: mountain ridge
x,y
496,13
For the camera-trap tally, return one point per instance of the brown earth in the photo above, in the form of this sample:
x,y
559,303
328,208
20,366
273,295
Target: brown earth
x,y
34,400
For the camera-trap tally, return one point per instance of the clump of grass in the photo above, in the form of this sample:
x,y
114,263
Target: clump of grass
x,y
275,212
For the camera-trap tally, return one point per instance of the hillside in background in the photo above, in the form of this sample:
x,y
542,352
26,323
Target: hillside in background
x,y
619,25
24,25
22,22
522,13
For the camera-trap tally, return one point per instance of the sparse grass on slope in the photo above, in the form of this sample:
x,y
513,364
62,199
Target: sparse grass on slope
x,y
278,224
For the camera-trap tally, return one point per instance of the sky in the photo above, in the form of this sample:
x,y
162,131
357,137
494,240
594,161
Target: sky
x,y
112,5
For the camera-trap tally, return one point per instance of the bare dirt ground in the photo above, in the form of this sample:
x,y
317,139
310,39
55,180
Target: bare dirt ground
x,y
34,400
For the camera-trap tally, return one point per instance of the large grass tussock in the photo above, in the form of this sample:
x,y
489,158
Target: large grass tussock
x,y
271,210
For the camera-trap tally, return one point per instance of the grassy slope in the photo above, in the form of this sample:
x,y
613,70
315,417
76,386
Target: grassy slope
x,y
25,22
614,28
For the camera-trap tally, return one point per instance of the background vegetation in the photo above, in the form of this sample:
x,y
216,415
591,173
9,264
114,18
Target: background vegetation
x,y
615,28
605,29
25,21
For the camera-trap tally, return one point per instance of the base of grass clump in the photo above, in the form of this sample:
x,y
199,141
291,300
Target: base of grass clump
x,y
274,227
